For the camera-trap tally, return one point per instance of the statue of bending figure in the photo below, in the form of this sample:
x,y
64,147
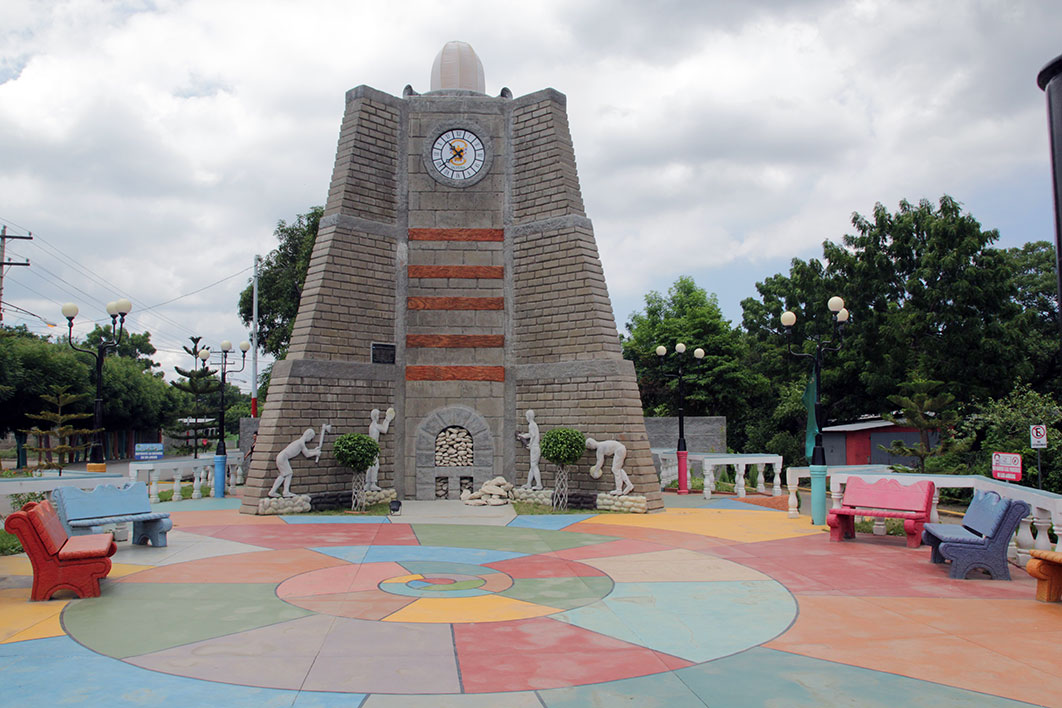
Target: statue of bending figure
x,y
619,453
284,461
530,439
375,428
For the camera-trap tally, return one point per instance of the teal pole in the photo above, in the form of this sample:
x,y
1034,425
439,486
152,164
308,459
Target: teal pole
x,y
818,494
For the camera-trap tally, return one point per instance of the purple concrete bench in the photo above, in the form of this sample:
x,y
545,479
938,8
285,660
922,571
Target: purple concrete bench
x,y
885,498
981,540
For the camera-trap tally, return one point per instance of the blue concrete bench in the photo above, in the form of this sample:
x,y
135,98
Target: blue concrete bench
x,y
981,540
88,512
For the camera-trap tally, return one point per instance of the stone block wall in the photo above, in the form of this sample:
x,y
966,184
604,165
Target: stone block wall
x,y
365,176
547,183
703,433
492,293
304,394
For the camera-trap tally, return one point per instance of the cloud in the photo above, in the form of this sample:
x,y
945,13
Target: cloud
x,y
158,143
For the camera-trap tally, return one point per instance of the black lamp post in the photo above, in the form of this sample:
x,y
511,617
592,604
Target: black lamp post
x,y
220,455
117,309
818,455
680,450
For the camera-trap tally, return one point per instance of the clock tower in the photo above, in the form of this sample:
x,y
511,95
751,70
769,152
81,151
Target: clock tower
x,y
455,278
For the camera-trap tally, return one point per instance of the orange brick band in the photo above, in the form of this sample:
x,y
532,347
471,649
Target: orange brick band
x,y
455,303
455,341
456,234
455,373
456,271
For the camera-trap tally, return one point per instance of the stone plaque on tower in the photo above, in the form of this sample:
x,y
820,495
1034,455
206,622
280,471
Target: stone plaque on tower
x,y
455,278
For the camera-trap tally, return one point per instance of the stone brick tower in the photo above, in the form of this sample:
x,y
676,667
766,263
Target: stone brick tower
x,y
455,277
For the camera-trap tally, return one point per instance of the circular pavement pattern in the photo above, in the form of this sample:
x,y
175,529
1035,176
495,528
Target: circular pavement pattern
x,y
455,610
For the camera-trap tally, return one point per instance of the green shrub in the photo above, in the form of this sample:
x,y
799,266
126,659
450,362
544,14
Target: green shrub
x,y
356,451
9,544
563,446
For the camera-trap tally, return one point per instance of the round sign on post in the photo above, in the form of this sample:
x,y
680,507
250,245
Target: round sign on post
x,y
1006,465
1037,436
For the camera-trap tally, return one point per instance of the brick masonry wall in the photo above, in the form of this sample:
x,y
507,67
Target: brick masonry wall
x,y
600,407
348,299
297,402
364,179
561,309
568,364
544,159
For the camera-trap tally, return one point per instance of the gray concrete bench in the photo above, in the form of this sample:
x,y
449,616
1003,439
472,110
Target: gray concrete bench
x,y
982,539
88,512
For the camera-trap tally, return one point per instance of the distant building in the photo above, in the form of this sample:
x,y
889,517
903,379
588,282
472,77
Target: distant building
x,y
861,443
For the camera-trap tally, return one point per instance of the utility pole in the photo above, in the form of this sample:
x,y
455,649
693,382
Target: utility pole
x,y
5,262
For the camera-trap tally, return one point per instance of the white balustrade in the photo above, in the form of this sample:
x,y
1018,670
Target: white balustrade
x,y
1046,506
197,483
153,475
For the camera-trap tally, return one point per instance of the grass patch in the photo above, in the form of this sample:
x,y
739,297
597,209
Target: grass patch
x,y
893,527
9,544
696,484
166,495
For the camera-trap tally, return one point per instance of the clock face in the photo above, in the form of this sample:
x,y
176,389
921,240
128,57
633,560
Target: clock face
x,y
458,154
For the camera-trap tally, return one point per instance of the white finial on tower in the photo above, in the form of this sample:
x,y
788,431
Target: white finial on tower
x,y
458,67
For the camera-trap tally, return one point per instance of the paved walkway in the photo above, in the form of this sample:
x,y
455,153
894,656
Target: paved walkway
x,y
721,604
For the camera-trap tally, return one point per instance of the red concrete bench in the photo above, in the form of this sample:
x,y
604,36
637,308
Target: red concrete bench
x,y
885,498
60,562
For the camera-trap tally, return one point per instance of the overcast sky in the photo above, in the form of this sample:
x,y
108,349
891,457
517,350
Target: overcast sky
x,y
151,147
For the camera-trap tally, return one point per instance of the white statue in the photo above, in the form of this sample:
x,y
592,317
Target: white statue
x,y
375,428
530,439
619,453
284,460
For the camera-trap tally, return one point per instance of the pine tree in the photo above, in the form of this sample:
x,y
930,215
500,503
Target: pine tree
x,y
62,453
923,407
198,382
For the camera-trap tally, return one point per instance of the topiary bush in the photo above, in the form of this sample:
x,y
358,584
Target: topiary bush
x,y
356,451
563,446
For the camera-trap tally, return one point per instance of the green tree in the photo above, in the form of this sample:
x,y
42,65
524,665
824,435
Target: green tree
x,y
781,430
930,299
134,345
59,453
280,281
923,405
720,384
135,399
198,382
29,367
1036,291
1002,425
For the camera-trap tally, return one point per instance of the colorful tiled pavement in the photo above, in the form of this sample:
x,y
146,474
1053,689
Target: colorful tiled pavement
x,y
714,606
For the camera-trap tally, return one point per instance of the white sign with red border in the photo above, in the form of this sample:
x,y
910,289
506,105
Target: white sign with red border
x,y
1006,465
1037,436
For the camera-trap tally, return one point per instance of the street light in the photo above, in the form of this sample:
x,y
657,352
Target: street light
x,y
220,455
117,309
818,454
680,451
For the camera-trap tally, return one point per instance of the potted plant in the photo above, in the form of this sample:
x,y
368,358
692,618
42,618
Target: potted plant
x,y
357,452
562,447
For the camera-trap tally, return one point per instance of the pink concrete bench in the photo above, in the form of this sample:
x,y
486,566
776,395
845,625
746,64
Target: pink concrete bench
x,y
885,498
